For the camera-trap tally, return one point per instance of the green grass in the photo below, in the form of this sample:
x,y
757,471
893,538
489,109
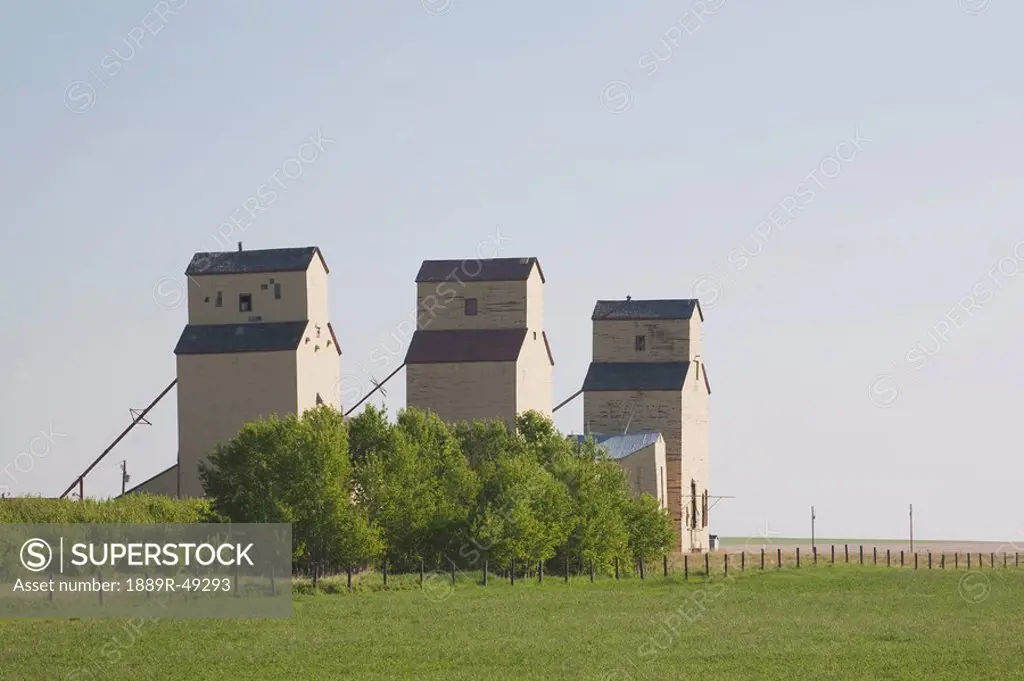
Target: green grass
x,y
841,622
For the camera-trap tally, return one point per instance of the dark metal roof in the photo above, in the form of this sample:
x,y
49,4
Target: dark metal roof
x,y
635,376
434,347
250,262
646,309
474,269
210,339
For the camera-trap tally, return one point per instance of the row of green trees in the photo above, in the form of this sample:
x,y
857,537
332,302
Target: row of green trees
x,y
420,489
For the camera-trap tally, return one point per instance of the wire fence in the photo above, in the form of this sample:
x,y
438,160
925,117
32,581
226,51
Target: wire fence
x,y
443,575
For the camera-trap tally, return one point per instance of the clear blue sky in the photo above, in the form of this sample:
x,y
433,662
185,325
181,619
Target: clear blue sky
x,y
448,125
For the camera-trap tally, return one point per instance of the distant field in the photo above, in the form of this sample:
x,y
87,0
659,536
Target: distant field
x,y
835,622
920,545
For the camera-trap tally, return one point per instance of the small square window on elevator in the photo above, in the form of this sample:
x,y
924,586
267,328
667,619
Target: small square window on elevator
x,y
640,343
245,302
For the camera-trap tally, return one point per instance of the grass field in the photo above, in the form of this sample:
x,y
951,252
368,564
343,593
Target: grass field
x,y
836,622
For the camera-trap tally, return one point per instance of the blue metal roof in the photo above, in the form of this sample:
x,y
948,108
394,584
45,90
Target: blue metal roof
x,y
635,376
646,309
619,445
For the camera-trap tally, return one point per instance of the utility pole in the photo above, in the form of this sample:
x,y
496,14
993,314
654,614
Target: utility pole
x,y
812,528
911,528
124,475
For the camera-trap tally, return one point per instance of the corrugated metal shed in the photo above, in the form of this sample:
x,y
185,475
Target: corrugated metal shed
x,y
619,446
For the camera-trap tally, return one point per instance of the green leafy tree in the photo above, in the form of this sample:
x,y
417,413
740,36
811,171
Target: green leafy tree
x,y
601,499
523,510
414,482
651,533
294,470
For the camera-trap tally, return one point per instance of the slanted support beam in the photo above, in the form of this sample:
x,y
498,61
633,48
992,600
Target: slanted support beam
x,y
568,400
79,481
377,387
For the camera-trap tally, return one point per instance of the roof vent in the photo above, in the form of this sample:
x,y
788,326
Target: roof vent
x,y
524,261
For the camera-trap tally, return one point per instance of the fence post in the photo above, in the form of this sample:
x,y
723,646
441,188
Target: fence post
x,y
1004,559
762,558
348,570
992,559
512,572
616,567
743,560
956,560
726,565
384,572
666,565
846,551
861,554
929,560
421,572
901,557
485,572
915,560
833,554
540,572
981,561
566,568
707,565
814,552
686,567
888,558
798,556
779,558
591,570
641,568
874,553
942,560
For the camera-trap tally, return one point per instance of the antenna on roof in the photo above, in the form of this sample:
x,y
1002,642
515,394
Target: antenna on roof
x,y
239,246
629,297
